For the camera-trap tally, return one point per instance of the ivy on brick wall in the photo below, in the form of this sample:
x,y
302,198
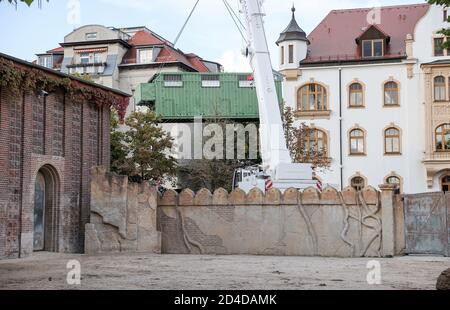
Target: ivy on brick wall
x,y
19,79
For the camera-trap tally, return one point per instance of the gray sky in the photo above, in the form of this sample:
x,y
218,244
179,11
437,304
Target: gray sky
x,y
211,33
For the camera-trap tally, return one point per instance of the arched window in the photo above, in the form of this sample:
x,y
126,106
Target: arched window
x,y
446,183
394,179
356,95
392,141
439,88
358,183
357,142
312,97
443,138
391,94
315,144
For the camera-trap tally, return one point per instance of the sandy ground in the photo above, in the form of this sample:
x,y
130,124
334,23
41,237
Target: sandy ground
x,y
142,271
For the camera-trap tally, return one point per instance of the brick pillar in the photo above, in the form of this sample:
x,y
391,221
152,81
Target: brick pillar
x,y
106,140
388,219
86,159
28,177
48,132
68,207
4,169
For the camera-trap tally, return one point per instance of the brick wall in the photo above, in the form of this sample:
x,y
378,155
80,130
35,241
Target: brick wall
x,y
64,139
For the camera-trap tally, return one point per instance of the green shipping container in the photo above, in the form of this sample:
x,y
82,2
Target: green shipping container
x,y
183,96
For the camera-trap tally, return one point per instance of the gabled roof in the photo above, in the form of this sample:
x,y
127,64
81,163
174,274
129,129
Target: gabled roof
x,y
373,29
334,38
197,63
167,53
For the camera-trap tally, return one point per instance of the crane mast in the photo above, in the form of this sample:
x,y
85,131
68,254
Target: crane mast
x,y
273,141
278,168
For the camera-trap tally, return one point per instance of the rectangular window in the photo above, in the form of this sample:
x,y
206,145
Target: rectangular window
x,y
98,58
210,81
282,55
438,48
291,54
373,48
367,49
246,81
378,48
84,58
173,80
145,56
46,61
445,15
91,35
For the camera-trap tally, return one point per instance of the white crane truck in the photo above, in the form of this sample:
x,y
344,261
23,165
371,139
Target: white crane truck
x,y
278,169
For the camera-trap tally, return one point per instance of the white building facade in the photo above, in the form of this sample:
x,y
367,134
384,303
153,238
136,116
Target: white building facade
x,y
374,86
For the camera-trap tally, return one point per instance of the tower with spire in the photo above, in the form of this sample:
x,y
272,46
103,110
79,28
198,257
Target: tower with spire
x,y
293,47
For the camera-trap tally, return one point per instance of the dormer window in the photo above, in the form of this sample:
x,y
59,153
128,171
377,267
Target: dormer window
x,y
373,48
145,55
373,42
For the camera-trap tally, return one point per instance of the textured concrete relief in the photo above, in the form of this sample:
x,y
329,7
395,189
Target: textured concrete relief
x,y
123,216
307,223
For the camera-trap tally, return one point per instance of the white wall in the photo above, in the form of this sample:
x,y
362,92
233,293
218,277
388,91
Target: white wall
x,y
374,118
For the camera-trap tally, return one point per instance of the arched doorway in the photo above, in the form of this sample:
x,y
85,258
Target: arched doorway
x,y
45,228
446,183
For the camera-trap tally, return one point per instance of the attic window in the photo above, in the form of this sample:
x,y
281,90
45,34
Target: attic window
x,y
210,80
91,35
373,48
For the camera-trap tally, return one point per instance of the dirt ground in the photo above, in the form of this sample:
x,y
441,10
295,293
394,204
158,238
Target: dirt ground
x,y
164,272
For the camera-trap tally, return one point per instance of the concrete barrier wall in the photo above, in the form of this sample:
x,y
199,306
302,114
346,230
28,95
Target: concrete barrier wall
x,y
135,218
123,216
347,224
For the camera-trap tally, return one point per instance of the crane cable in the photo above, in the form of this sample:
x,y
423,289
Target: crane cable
x,y
179,35
235,19
185,23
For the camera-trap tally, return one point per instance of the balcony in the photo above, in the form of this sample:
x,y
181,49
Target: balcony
x,y
437,156
97,68
435,163
313,114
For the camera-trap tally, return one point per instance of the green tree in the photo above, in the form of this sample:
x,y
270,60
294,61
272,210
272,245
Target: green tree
x,y
215,173
444,31
147,147
299,141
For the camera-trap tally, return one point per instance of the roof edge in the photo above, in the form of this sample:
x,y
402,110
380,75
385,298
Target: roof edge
x,y
63,75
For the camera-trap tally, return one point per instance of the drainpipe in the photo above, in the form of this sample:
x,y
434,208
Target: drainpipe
x,y
341,150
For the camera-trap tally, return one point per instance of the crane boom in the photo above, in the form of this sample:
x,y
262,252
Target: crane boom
x,y
273,142
278,166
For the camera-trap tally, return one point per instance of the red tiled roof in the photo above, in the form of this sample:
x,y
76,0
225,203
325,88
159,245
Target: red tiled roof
x,y
334,38
197,63
56,50
144,38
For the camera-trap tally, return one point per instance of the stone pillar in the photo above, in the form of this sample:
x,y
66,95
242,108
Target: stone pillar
x,y
388,219
409,46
